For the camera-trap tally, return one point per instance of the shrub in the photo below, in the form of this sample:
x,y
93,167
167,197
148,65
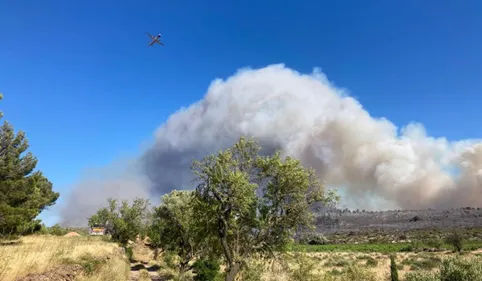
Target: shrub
x,y
372,262
171,259
355,273
460,269
206,270
303,271
313,239
415,219
129,253
456,240
90,264
57,230
412,247
253,271
421,276
435,243
393,269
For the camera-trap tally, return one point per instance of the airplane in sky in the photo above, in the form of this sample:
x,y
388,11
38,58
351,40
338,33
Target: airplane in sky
x,y
155,39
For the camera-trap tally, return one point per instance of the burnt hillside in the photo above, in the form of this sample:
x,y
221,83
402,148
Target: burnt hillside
x,y
334,220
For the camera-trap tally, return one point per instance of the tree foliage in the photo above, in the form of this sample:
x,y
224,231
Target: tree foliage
x,y
252,203
173,227
456,240
24,193
123,222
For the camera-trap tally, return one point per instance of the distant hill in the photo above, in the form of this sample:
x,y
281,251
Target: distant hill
x,y
336,220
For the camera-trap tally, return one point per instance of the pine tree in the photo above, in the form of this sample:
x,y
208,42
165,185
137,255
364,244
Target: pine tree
x,y
24,193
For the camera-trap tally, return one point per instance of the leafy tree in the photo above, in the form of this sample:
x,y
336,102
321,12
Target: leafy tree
x,y
123,222
24,193
456,240
173,227
57,230
252,203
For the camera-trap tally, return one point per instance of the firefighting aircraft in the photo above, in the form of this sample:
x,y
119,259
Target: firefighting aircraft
x,y
155,39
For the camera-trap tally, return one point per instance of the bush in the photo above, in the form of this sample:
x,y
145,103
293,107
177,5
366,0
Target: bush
x,y
57,230
460,269
372,262
355,273
313,239
91,264
304,268
393,269
171,259
421,276
452,269
435,243
253,271
206,270
129,253
456,240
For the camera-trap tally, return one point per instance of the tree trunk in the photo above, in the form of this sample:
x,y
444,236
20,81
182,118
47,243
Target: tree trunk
x,y
233,271
183,266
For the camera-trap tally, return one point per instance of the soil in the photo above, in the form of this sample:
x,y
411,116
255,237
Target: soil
x,y
137,267
72,234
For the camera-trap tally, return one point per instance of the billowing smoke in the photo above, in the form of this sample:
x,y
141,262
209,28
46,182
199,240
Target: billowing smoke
x,y
375,164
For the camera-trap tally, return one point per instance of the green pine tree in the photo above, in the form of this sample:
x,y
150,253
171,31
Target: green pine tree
x,y
24,193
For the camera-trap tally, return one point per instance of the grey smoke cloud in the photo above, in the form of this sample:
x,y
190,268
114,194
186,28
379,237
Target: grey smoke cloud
x,y
305,116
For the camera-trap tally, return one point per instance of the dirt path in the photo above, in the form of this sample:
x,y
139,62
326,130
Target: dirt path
x,y
135,274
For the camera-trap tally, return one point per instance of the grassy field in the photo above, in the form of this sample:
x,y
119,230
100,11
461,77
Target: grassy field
x,y
100,260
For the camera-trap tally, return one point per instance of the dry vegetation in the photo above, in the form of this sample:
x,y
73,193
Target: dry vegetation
x,y
37,254
319,266
101,260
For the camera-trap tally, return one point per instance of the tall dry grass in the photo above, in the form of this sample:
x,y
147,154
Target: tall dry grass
x,y
37,254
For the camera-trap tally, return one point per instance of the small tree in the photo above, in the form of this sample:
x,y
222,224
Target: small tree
x,y
173,227
123,222
456,240
24,193
253,204
57,230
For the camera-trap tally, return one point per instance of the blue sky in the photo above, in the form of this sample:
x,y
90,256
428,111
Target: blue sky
x,y
79,79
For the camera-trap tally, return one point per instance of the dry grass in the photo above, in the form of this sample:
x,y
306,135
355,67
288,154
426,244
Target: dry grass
x,y
319,266
37,254
333,266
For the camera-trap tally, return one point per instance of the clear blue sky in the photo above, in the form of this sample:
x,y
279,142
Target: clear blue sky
x,y
79,79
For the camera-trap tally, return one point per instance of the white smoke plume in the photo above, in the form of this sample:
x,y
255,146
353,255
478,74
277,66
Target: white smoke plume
x,y
375,164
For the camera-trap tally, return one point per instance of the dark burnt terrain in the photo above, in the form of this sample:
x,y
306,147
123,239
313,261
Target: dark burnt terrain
x,y
340,221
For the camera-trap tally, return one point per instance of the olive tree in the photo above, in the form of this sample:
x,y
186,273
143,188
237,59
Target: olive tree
x,y
173,227
252,203
123,222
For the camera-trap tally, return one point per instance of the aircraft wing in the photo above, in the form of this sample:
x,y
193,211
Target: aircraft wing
x,y
152,37
156,41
